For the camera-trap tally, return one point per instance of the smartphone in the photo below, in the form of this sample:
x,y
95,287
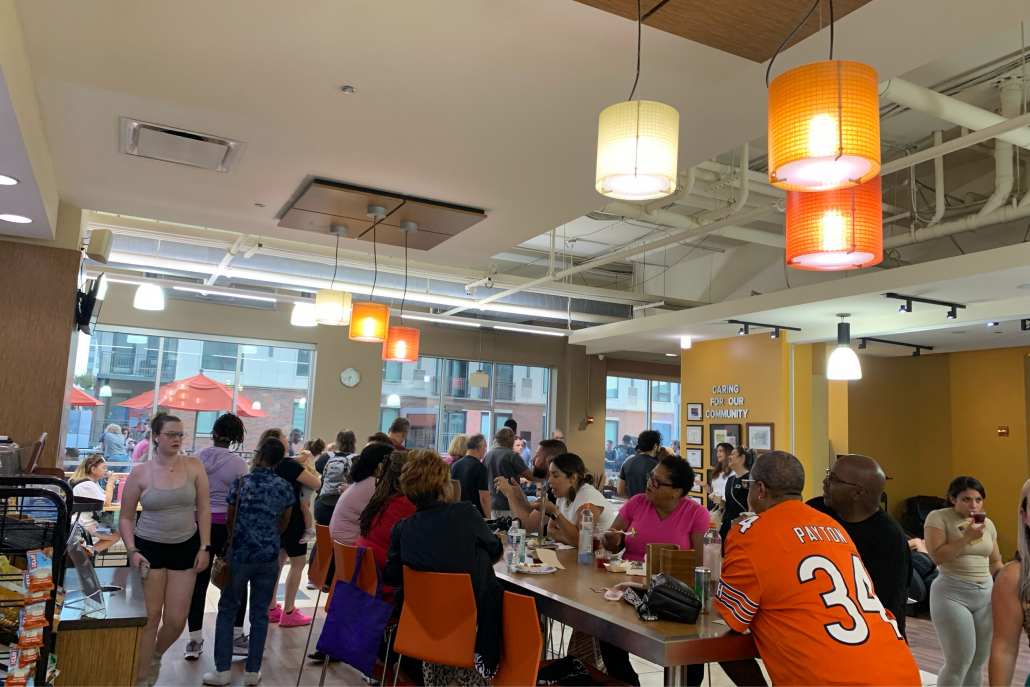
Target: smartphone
x,y
144,569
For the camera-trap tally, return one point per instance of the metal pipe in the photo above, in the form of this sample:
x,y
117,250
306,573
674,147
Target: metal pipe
x,y
947,108
626,253
667,218
685,187
230,253
1001,216
743,188
938,181
1004,179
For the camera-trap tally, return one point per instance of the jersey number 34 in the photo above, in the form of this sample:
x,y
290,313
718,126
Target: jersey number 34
x,y
839,596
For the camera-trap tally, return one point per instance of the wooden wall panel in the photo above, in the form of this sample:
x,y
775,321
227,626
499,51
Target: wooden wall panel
x,y
751,29
37,318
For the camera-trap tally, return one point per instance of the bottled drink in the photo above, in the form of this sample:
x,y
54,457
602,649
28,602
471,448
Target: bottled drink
x,y
713,555
520,546
586,537
511,554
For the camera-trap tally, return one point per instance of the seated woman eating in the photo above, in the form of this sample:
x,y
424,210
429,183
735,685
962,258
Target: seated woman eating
x,y
387,506
90,471
664,514
447,538
574,490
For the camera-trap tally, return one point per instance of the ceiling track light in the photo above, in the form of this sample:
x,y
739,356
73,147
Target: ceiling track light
x,y
1024,325
746,328
993,324
909,300
918,347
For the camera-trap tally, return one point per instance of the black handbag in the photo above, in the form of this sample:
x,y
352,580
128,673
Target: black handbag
x,y
666,599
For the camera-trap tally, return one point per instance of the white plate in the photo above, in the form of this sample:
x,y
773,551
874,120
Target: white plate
x,y
535,571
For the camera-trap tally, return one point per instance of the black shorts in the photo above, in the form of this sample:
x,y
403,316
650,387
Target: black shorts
x,y
170,556
289,540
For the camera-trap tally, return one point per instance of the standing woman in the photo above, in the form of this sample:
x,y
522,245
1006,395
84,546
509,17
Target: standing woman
x,y
222,467
167,544
740,461
966,554
335,470
457,449
286,614
1010,605
113,443
716,488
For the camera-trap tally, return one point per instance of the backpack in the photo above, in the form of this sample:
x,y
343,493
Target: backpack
x,y
335,473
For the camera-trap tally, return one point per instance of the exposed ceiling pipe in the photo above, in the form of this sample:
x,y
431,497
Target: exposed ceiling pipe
x,y
938,181
1006,214
965,141
686,185
315,283
947,108
626,253
1004,178
742,191
667,218
230,253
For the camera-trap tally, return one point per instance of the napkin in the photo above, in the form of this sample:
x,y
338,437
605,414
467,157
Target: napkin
x,y
548,557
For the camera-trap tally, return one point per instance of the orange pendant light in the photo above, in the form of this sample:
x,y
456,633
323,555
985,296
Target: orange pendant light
x,y
369,322
401,345
840,229
824,126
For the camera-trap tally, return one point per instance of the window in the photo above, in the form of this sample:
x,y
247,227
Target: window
x,y
661,391
639,410
392,371
611,431
303,364
300,408
612,390
413,390
217,355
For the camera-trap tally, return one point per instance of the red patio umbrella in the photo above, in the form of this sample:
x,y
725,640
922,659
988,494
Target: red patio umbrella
x,y
81,398
199,392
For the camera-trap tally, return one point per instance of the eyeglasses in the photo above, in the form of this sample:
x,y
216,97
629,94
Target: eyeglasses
x,y
174,435
748,482
655,482
834,479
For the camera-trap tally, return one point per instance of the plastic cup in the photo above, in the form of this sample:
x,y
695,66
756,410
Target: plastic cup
x,y
979,518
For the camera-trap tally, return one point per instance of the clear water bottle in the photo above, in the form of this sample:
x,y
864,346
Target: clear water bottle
x,y
713,555
586,537
520,546
511,553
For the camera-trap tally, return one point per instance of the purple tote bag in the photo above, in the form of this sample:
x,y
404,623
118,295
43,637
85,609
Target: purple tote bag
x,y
355,622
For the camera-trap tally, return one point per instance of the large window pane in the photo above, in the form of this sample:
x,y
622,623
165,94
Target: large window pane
x,y
278,379
412,390
522,393
467,393
665,410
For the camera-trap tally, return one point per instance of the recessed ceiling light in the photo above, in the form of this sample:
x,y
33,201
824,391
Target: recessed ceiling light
x,y
7,181
17,219
349,90
671,355
259,205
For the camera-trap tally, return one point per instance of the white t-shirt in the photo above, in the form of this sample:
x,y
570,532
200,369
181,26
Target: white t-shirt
x,y
719,484
584,495
90,490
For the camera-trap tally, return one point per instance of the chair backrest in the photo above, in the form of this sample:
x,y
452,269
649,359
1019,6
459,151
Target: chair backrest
x,y
48,472
346,558
438,619
521,643
319,567
36,453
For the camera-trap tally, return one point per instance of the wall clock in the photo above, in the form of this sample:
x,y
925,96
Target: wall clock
x,y
350,377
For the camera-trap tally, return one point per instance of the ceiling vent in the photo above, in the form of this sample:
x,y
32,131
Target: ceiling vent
x,y
179,146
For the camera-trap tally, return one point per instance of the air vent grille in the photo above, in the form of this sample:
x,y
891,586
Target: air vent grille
x,y
179,146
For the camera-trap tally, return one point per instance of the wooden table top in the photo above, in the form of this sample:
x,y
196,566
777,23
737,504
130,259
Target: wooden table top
x,y
567,596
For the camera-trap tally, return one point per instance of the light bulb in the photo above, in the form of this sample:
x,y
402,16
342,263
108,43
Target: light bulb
x,y
102,289
401,349
368,327
843,364
822,136
685,342
834,231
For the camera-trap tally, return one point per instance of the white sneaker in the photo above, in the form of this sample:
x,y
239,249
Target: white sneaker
x,y
251,678
311,586
241,645
155,671
218,677
194,648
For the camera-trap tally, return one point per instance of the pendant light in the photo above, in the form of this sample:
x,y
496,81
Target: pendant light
x,y
149,297
369,321
304,315
401,343
843,363
480,379
841,229
637,145
332,307
824,122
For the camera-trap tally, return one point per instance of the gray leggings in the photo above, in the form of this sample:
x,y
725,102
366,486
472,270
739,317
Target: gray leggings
x,y
961,612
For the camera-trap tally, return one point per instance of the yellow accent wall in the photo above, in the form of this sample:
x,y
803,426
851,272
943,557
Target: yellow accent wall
x,y
929,419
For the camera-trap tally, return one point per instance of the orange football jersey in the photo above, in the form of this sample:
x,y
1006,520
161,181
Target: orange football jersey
x,y
794,578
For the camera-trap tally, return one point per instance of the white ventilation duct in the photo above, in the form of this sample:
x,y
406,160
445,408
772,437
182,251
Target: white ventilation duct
x,y
1004,178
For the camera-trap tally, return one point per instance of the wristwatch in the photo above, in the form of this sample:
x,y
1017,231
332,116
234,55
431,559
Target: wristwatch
x,y
206,547
552,516
131,550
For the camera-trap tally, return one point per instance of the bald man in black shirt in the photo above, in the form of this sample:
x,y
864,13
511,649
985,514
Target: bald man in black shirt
x,y
851,496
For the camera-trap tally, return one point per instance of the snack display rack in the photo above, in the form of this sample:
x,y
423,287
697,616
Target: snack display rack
x,y
35,515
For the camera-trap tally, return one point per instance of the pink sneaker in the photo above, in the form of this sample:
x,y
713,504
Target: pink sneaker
x,y
294,619
275,614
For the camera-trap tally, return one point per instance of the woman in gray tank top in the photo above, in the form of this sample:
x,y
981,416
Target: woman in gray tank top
x,y
169,544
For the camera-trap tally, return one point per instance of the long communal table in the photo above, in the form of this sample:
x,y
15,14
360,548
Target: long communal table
x,y
574,597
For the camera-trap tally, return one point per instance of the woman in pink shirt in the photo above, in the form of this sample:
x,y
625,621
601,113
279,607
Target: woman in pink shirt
x,y
664,514
344,526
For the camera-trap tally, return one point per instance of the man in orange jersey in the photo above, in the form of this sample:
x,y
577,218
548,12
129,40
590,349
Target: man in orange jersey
x,y
793,577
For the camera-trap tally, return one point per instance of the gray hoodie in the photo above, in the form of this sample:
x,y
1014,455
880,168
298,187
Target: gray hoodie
x,y
223,467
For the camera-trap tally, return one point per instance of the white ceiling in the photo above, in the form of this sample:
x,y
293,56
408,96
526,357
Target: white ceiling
x,y
24,197
489,104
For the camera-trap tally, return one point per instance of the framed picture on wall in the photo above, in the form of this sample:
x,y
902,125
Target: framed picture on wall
x,y
695,435
719,434
694,457
760,436
694,412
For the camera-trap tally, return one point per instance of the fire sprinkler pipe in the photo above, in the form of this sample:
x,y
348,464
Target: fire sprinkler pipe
x,y
685,187
1004,215
948,108
1004,178
742,191
938,181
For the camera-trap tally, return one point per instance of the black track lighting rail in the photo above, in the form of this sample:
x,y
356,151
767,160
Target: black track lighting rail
x,y
745,327
909,300
863,339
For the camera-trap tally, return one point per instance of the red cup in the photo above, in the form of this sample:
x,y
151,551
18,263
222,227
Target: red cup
x,y
979,518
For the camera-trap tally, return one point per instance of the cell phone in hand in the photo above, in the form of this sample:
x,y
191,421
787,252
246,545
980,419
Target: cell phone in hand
x,y
144,569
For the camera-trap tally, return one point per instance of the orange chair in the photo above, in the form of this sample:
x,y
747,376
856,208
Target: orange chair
x,y
346,558
438,619
318,570
521,643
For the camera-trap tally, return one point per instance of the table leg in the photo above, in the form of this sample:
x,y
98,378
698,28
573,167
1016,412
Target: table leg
x,y
545,631
675,676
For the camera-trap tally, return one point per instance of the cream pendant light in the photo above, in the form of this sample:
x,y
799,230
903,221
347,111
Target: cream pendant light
x,y
843,363
332,307
303,315
637,145
480,379
149,297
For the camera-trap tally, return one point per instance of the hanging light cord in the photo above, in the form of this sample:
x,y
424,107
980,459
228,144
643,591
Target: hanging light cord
x,y
640,23
336,262
808,16
375,255
405,294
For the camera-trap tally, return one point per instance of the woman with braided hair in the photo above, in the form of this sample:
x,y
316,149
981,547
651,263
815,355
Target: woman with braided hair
x,y
223,467
387,505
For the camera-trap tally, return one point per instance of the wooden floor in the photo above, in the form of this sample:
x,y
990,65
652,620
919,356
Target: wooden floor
x,y
284,653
